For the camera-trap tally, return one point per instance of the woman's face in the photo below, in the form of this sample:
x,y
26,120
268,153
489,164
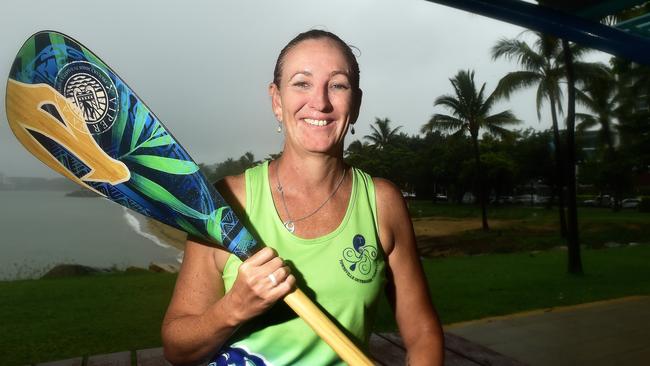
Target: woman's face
x,y
315,101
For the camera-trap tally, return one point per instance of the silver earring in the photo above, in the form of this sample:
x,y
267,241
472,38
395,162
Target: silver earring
x,y
352,130
279,127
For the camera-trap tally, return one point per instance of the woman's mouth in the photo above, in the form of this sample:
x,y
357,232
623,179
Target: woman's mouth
x,y
316,122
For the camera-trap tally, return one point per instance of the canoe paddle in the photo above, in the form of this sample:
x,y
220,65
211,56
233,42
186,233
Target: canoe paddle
x,y
72,112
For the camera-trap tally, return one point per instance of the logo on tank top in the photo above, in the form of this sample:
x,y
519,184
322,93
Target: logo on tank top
x,y
359,261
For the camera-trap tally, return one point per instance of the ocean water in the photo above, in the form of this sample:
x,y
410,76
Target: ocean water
x,y
40,229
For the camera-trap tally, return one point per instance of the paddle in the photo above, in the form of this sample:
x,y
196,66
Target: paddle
x,y
78,117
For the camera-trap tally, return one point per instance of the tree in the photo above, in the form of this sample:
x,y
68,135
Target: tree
x,y
599,95
470,112
573,243
633,82
542,66
228,167
382,134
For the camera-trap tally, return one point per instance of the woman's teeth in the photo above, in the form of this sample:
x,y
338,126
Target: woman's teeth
x,y
316,122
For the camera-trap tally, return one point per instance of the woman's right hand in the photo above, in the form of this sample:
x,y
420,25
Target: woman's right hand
x,y
261,281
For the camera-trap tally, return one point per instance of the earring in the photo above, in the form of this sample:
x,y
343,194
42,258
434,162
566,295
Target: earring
x,y
352,130
279,127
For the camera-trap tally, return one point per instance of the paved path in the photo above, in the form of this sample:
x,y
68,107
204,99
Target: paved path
x,y
613,332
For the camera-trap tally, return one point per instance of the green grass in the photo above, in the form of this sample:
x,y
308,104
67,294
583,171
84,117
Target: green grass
x,y
45,320
420,208
473,287
533,228
52,319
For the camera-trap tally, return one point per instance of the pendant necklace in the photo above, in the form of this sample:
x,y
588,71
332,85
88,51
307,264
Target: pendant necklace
x,y
290,224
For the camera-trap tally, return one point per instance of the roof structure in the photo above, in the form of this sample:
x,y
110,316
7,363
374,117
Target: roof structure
x,y
575,20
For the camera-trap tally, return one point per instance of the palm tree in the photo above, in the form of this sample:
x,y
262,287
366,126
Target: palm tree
x,y
470,112
382,135
599,95
541,67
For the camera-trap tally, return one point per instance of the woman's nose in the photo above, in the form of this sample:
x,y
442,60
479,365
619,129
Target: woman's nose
x,y
320,99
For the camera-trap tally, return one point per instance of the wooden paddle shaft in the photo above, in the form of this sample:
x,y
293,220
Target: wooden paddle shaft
x,y
325,328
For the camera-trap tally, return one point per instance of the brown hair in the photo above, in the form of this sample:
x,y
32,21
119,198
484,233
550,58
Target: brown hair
x,y
318,34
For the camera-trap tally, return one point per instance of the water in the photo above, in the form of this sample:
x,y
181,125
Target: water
x,y
40,229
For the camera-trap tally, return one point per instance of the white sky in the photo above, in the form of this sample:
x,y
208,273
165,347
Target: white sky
x,y
203,66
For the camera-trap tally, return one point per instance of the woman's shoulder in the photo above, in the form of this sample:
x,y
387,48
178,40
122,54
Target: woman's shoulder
x,y
392,213
386,191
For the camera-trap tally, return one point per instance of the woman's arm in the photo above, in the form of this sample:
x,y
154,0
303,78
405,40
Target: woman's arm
x,y
407,288
201,317
195,324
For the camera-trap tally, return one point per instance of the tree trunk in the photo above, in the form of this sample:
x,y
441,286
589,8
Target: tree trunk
x,y
559,169
481,183
573,243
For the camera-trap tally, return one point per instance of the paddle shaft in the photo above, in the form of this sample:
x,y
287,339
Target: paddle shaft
x,y
326,329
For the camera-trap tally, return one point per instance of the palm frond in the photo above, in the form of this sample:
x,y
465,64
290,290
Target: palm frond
x,y
585,121
584,99
446,123
514,49
514,81
498,131
452,103
502,118
588,71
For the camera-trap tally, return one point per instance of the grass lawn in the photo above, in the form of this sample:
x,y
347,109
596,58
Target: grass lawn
x,y
474,287
45,320
53,319
523,228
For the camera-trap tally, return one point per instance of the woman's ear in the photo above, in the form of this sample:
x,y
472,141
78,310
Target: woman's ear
x,y
276,101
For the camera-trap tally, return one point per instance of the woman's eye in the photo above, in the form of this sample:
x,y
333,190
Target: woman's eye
x,y
340,86
301,84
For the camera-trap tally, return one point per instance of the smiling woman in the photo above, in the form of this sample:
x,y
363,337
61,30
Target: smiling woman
x,y
344,236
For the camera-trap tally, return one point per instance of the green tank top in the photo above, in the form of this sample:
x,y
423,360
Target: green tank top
x,y
342,271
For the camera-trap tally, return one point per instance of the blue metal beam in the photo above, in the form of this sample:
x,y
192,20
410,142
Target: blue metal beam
x,y
546,20
639,25
607,7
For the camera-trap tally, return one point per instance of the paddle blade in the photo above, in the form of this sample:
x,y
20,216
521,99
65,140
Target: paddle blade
x,y
78,117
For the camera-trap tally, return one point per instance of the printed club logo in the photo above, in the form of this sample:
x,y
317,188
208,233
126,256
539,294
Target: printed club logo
x,y
92,91
359,261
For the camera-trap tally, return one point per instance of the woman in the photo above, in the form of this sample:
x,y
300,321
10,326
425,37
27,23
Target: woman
x,y
343,236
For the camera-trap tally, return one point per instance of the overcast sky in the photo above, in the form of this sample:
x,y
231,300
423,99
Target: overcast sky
x,y
203,67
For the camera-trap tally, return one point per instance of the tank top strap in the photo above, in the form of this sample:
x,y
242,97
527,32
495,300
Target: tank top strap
x,y
366,189
255,178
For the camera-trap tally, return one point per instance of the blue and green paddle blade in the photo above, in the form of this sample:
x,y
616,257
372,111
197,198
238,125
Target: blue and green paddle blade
x,y
74,113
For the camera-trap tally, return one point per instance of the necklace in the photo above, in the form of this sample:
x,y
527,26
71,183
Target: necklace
x,y
290,224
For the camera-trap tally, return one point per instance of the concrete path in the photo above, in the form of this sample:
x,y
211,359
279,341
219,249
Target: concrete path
x,y
613,332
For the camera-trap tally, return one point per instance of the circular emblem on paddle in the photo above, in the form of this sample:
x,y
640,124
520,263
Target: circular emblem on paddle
x,y
93,91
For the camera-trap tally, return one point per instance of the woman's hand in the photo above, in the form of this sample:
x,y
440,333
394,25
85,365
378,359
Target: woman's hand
x,y
261,280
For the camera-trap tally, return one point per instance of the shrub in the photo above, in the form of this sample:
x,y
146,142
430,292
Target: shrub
x,y
644,206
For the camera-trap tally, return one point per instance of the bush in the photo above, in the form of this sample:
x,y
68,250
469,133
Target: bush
x,y
644,206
